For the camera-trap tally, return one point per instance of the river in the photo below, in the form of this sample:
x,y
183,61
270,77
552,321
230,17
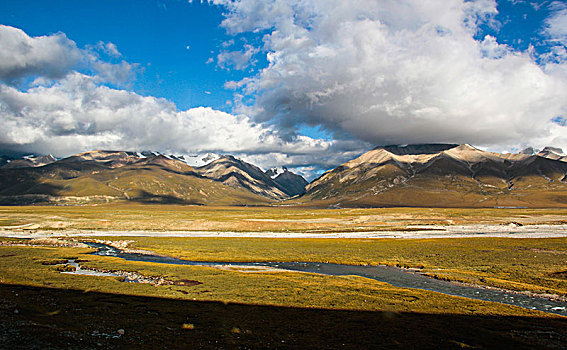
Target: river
x,y
392,275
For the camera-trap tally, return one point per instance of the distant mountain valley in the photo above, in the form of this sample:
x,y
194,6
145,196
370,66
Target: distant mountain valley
x,y
101,176
424,175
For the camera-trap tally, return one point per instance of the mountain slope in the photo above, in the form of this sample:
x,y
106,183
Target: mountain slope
x,y
553,153
109,175
442,176
26,161
239,174
291,183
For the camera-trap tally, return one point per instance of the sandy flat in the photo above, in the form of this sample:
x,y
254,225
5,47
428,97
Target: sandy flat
x,y
429,231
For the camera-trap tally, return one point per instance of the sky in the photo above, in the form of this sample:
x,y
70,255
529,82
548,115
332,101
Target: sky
x,y
307,84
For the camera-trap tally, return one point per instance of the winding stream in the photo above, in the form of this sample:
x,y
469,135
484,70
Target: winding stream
x,y
392,275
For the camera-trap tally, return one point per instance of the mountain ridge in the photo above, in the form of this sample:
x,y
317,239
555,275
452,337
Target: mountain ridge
x,y
124,175
236,173
457,175
447,175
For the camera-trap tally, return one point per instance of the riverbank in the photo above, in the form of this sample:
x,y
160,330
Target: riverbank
x,y
531,266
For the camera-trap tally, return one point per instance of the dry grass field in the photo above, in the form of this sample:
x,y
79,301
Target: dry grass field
x,y
126,216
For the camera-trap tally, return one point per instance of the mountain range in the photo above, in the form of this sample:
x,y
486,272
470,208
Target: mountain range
x,y
101,176
443,175
427,175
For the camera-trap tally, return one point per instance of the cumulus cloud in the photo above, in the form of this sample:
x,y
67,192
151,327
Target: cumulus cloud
x,y
397,72
76,114
54,56
50,56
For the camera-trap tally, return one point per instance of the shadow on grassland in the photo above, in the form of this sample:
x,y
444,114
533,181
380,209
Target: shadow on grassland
x,y
151,198
57,318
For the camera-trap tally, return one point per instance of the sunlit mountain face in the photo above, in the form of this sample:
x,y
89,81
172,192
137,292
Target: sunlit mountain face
x,y
443,175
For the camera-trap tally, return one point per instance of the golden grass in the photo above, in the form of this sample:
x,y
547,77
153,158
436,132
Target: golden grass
x,y
537,265
125,216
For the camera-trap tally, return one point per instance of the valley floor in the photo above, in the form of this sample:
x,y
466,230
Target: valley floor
x,y
519,250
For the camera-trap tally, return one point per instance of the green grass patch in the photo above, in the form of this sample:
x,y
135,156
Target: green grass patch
x,y
24,266
519,264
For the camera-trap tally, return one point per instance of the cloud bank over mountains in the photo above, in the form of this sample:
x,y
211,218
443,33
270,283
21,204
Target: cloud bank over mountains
x,y
63,111
369,72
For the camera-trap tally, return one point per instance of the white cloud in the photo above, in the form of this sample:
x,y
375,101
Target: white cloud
x,y
64,111
108,48
115,73
227,43
237,59
556,24
76,115
555,31
54,56
51,56
492,49
396,72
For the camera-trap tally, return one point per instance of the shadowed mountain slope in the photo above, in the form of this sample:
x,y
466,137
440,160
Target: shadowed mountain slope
x,y
26,162
292,184
239,174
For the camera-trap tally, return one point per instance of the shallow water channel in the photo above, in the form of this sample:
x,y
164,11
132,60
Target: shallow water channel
x,y
392,275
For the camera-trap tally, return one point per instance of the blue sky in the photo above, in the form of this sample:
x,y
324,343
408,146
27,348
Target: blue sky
x,y
154,34
347,77
519,24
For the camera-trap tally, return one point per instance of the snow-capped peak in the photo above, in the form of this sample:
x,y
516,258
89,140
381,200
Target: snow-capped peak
x,y
530,151
554,150
198,160
276,171
195,160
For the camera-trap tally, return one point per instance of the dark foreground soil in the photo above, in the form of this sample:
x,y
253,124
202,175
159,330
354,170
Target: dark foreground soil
x,y
46,318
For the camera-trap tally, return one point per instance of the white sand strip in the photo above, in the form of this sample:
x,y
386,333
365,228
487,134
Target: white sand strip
x,y
428,231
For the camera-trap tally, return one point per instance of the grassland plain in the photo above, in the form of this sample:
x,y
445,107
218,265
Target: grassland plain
x,y
122,217
537,265
25,265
